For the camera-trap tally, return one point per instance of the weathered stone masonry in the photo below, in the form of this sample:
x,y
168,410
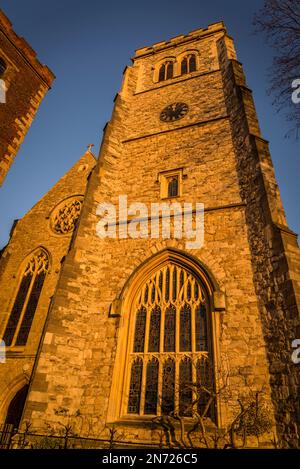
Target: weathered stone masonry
x,y
274,249
35,231
249,258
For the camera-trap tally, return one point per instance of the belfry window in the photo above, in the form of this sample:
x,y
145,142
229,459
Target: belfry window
x,y
25,304
169,357
3,67
171,183
166,71
188,64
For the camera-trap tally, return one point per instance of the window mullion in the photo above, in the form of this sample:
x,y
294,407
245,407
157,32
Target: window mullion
x,y
171,283
145,357
160,383
147,329
193,328
177,329
162,328
194,380
177,390
143,386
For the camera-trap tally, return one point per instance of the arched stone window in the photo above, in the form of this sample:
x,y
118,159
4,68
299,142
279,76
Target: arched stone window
x,y
173,187
3,67
64,217
27,297
188,64
170,356
166,71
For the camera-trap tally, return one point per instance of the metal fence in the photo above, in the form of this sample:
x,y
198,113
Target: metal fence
x,y
11,438
6,433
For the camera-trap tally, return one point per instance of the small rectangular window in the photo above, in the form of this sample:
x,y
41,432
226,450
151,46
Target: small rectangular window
x,y
170,183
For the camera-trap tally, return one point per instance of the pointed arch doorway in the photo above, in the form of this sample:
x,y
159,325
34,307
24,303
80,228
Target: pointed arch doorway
x,y
13,416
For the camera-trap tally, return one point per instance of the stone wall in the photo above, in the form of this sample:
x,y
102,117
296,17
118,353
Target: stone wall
x,y
33,231
81,368
274,250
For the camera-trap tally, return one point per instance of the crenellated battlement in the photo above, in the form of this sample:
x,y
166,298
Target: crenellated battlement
x,y
26,50
181,39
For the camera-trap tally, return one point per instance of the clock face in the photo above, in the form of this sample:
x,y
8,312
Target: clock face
x,y
173,112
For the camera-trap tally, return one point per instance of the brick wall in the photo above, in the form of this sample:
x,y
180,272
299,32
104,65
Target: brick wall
x,y
26,82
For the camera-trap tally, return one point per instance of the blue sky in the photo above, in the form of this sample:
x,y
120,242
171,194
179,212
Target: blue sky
x,y
87,45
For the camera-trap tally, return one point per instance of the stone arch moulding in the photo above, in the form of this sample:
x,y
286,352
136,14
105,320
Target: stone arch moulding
x,y
63,217
34,261
11,390
33,253
22,266
123,307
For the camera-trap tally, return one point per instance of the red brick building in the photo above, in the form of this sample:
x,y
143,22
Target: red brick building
x,y
24,83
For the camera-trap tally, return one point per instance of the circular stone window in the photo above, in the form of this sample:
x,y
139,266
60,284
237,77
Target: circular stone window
x,y
173,112
65,215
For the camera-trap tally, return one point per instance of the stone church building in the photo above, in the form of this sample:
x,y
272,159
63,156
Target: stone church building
x,y
121,331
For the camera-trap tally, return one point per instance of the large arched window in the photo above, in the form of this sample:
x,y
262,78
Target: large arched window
x,y
170,359
29,290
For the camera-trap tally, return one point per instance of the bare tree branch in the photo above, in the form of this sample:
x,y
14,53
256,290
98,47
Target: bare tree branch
x,y
279,21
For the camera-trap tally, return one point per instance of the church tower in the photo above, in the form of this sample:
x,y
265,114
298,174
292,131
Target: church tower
x,y
138,317
24,81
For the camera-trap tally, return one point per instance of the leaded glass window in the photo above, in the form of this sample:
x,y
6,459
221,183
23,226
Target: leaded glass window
x,y
185,329
185,387
170,341
135,387
154,332
26,301
201,328
168,387
151,387
170,329
204,381
140,325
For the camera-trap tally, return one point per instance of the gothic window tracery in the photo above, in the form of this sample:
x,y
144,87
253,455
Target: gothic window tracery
x,y
169,357
25,304
65,216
